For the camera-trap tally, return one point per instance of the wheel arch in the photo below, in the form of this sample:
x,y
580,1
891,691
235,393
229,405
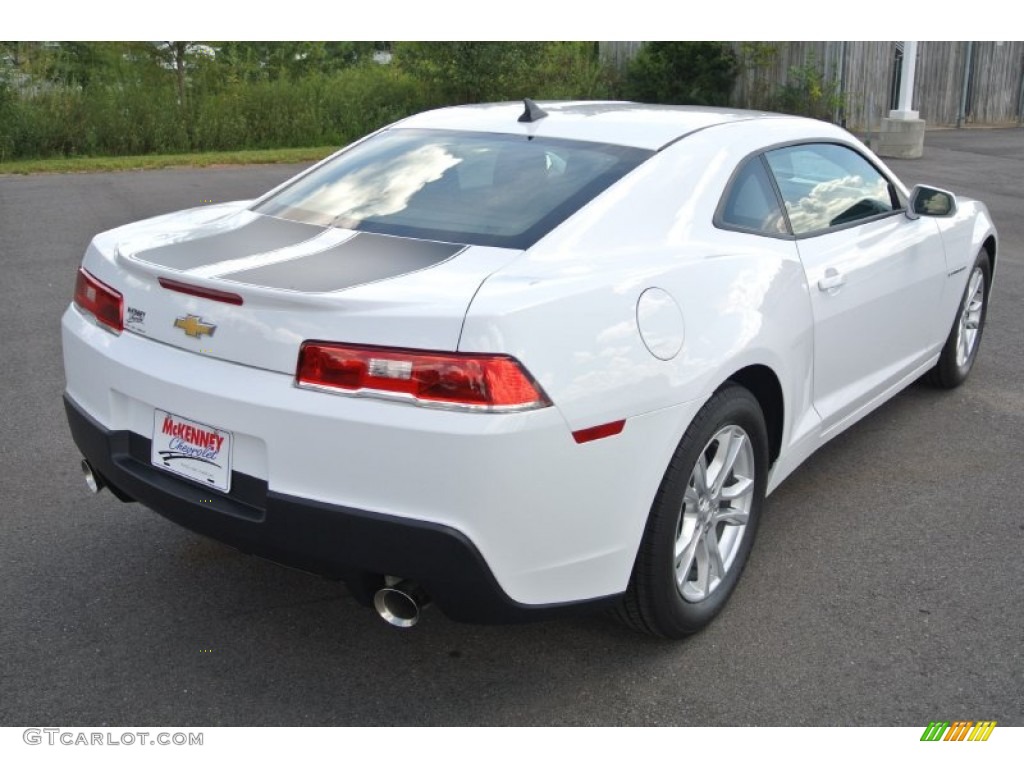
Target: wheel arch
x,y
762,382
990,248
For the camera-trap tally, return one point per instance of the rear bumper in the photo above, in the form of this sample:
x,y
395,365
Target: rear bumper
x,y
339,542
499,509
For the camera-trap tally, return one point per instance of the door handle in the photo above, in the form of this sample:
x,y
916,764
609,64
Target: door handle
x,y
832,281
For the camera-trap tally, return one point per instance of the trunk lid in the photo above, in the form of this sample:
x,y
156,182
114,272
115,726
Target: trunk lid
x,y
294,281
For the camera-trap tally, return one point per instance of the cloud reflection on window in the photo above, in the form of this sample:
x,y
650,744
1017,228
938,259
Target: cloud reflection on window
x,y
381,188
836,202
474,189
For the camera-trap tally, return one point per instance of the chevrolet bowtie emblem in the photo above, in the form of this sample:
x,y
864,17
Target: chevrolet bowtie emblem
x,y
194,326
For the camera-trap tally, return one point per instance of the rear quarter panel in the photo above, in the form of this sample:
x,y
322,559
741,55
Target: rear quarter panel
x,y
568,307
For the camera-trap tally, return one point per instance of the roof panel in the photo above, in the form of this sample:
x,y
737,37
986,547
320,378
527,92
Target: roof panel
x,y
649,126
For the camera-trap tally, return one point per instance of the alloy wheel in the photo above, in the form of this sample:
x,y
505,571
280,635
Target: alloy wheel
x,y
714,514
970,317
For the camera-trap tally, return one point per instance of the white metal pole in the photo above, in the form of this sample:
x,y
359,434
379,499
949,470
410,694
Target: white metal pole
x,y
907,83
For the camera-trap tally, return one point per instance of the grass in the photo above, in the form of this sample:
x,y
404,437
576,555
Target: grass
x,y
152,162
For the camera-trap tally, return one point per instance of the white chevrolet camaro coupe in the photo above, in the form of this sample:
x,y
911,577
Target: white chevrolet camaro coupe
x,y
520,362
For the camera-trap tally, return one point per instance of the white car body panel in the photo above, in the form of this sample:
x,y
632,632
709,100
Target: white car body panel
x,y
498,478
555,521
422,309
883,319
649,126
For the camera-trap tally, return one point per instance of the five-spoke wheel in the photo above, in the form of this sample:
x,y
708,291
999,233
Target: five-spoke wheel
x,y
961,347
703,520
716,508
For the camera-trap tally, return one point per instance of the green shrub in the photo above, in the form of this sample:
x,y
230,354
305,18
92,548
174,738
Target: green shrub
x,y
143,118
118,99
465,72
808,92
8,114
573,71
682,73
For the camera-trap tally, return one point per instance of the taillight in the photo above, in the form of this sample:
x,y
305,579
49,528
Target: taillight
x,y
99,300
200,291
458,381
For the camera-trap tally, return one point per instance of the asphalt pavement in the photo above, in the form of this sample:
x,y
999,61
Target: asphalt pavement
x,y
884,588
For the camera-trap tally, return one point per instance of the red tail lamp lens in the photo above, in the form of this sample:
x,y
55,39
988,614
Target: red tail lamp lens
x,y
99,300
489,382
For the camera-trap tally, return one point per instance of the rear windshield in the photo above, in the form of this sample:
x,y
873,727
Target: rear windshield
x,y
452,186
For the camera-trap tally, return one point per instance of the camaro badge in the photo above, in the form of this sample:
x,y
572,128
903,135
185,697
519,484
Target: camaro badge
x,y
194,326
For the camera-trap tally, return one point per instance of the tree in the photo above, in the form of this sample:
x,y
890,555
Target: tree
x,y
467,72
177,56
260,60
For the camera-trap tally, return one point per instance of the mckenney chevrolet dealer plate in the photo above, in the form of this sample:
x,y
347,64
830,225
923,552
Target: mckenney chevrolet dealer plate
x,y
197,451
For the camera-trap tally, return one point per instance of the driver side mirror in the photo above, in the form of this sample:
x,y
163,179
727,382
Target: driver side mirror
x,y
930,201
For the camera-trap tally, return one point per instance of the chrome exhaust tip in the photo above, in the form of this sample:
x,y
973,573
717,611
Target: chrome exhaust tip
x,y
92,480
401,604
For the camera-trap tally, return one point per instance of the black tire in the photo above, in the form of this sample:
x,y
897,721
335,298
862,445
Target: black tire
x,y
655,601
953,368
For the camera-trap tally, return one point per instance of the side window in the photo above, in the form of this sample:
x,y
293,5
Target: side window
x,y
828,185
751,203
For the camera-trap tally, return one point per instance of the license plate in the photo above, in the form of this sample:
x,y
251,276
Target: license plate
x,y
197,451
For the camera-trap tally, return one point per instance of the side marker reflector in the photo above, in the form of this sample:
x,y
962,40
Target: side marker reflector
x,y
596,433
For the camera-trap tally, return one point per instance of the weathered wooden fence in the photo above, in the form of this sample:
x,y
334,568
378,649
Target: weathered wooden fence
x,y
956,82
